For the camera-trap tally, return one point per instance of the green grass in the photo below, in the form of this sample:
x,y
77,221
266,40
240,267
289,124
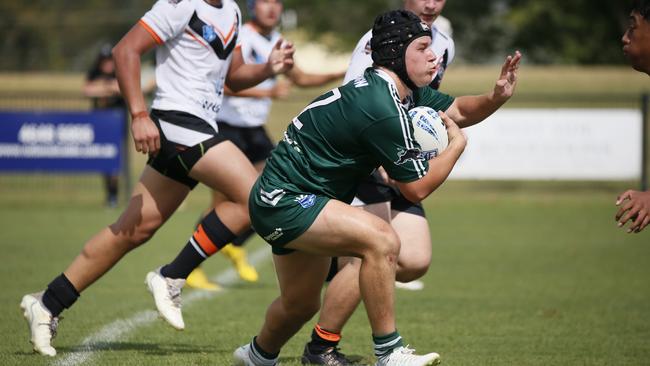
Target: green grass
x,y
523,274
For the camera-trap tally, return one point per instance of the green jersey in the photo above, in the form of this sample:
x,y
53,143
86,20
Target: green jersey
x,y
346,133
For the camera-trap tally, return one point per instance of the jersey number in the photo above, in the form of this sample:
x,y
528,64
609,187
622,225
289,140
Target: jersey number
x,y
336,95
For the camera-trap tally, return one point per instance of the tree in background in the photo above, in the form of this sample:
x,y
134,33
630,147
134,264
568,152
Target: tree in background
x,y
65,35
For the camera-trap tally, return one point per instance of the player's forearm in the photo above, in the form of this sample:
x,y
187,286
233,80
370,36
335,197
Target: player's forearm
x,y
127,71
439,169
307,80
472,109
250,93
247,76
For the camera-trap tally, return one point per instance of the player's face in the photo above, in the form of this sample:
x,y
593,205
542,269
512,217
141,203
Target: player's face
x,y
421,64
107,66
267,12
427,10
636,43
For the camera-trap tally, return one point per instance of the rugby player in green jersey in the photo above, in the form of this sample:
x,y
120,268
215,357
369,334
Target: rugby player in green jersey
x,y
300,203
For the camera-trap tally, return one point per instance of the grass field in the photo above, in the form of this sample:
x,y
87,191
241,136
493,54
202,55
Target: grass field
x,y
524,273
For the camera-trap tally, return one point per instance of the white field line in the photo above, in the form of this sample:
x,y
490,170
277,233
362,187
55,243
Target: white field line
x,y
120,328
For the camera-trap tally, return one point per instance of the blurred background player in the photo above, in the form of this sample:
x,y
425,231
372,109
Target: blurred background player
x,y
243,115
635,205
197,50
102,87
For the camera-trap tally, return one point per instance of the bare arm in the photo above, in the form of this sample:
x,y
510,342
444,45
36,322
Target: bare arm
x,y
127,55
101,88
469,110
242,76
304,79
279,91
439,167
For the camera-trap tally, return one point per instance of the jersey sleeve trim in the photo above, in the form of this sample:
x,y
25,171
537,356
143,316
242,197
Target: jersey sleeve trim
x,y
151,32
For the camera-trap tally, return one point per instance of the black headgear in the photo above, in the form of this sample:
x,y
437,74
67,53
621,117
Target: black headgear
x,y
392,33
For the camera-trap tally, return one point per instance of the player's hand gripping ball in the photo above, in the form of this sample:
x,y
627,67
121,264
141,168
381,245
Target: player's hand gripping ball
x,y
429,131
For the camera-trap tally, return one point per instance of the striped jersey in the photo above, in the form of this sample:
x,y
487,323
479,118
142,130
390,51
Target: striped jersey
x,y
346,133
441,44
249,111
196,42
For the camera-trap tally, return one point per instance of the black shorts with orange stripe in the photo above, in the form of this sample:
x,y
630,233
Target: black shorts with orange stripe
x,y
175,160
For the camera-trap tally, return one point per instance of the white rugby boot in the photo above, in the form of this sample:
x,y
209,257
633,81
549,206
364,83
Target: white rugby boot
x,y
243,357
405,356
167,296
42,325
415,285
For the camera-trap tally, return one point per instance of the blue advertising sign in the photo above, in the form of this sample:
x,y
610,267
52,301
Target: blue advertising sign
x,y
56,141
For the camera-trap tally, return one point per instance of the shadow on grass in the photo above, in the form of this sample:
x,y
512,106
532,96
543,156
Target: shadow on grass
x,y
356,360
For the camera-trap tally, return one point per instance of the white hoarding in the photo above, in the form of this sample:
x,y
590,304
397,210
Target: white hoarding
x,y
572,144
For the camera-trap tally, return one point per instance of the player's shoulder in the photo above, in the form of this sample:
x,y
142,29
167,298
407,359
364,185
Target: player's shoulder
x,y
175,9
375,94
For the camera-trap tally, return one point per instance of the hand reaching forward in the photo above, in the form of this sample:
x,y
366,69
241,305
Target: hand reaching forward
x,y
281,57
505,85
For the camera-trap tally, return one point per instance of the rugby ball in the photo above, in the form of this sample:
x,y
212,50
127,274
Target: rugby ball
x,y
429,131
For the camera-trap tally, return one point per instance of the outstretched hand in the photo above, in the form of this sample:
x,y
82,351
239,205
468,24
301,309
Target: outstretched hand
x,y
635,207
505,85
281,57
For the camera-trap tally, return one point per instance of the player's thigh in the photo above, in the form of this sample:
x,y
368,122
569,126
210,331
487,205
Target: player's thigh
x,y
414,234
154,199
301,275
381,210
343,230
226,169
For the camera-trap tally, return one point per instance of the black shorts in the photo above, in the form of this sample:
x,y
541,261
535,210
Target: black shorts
x,y
374,190
175,160
253,141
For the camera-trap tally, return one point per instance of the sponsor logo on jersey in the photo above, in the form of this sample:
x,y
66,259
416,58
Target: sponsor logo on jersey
x,y
275,235
272,198
208,33
428,155
408,155
306,200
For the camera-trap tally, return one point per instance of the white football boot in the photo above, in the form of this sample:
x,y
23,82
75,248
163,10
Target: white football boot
x,y
404,356
42,325
243,357
167,296
415,285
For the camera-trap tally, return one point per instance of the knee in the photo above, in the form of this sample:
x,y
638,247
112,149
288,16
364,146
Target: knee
x,y
386,243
